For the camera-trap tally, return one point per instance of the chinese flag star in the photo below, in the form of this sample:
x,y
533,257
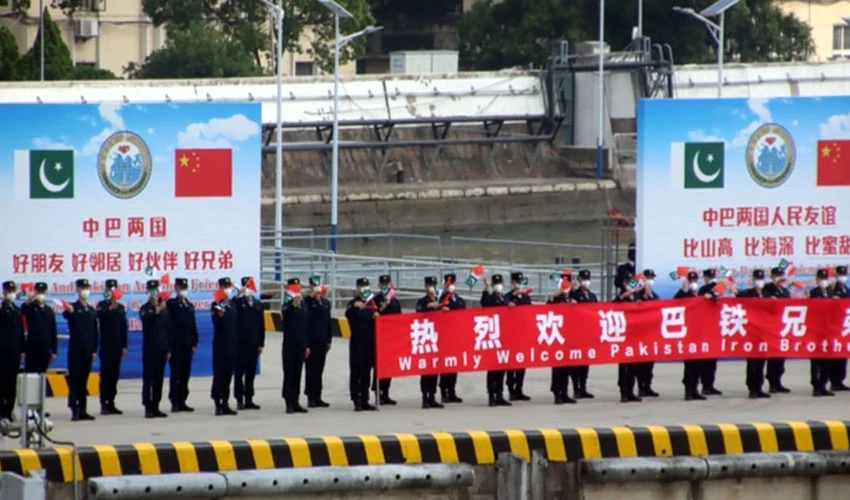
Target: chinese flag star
x,y
203,173
833,163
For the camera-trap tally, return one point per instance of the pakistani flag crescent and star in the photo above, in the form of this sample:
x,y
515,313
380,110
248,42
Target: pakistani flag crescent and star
x,y
697,165
44,174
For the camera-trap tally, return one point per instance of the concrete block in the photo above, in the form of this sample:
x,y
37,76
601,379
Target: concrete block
x,y
474,192
788,488
361,196
607,184
564,187
406,195
497,191
289,200
429,194
587,186
543,188
451,193
377,196
309,198
519,189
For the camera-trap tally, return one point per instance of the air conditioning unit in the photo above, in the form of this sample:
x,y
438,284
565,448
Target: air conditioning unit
x,y
86,28
94,5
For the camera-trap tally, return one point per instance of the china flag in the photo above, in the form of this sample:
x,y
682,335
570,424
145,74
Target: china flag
x,y
203,173
834,163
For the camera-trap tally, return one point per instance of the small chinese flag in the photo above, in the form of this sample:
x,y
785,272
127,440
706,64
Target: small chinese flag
x,y
29,288
251,285
833,163
165,279
528,291
682,271
293,290
116,294
830,272
220,295
164,295
720,288
202,173
564,284
390,293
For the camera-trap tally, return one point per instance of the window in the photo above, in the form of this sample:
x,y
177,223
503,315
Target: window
x,y
303,68
841,39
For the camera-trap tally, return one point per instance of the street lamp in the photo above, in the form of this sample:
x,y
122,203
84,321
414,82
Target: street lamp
x,y
716,29
338,12
600,133
41,34
278,185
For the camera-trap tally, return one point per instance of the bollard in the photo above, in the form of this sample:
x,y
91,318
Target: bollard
x,y
648,469
208,485
511,477
539,465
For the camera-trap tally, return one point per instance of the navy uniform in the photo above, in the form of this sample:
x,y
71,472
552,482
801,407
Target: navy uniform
x,y
82,349
112,317
386,307
776,289
361,317
819,367
560,383
184,332
755,366
429,303
42,334
225,335
12,344
838,366
252,340
516,378
295,347
450,299
495,378
582,295
319,341
644,370
693,367
626,372
626,271
157,342
708,368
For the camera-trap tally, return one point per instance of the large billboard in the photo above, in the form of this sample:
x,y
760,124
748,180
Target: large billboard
x,y
736,184
132,192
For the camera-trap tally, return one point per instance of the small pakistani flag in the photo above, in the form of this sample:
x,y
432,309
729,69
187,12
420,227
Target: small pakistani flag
x,y
316,280
697,165
673,276
149,271
475,275
44,174
555,278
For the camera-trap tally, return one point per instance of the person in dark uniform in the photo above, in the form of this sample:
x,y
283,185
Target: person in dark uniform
x,y
82,349
252,340
690,289
495,378
708,368
157,342
644,371
838,366
776,289
184,331
517,297
42,334
560,384
112,318
225,344
755,366
626,271
386,306
582,295
819,367
319,341
361,313
296,347
626,292
429,303
450,299
12,348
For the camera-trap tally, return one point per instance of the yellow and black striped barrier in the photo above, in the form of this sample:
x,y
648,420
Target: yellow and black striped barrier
x,y
475,448
274,323
57,384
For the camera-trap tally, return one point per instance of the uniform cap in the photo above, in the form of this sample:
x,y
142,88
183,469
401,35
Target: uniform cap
x,y
822,274
516,277
384,279
709,273
293,281
153,284
584,274
649,273
362,281
41,287
245,280
9,286
777,271
111,284
82,283
181,283
450,278
693,276
841,270
497,279
224,282
758,274
430,280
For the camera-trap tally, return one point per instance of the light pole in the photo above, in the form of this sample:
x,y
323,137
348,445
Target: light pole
x,y
601,90
717,9
338,12
41,34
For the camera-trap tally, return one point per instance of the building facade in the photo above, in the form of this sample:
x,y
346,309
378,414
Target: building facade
x,y
830,22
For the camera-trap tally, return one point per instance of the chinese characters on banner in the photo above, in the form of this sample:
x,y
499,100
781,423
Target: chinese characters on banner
x,y
540,336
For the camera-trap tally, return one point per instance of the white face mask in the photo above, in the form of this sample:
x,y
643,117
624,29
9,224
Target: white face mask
x,y
40,297
84,294
823,283
432,290
585,283
842,279
451,288
183,293
759,283
11,296
693,286
498,288
248,292
649,282
713,280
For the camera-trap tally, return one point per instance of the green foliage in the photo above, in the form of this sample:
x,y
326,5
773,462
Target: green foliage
x,y
90,73
18,8
9,58
57,58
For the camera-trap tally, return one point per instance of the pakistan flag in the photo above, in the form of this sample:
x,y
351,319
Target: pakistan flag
x,y
699,164
44,174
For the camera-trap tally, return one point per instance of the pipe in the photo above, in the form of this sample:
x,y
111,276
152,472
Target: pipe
x,y
321,146
207,485
649,469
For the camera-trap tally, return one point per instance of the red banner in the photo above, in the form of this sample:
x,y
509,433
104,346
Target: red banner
x,y
540,336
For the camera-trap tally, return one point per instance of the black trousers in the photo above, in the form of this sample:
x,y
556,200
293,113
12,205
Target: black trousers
x,y
246,371
359,374
708,373
153,374
579,376
644,374
837,371
181,370
79,368
224,361
428,384
755,374
819,369
690,379
560,379
775,370
383,384
515,380
627,377
37,360
110,371
293,366
448,382
9,362
496,382
315,368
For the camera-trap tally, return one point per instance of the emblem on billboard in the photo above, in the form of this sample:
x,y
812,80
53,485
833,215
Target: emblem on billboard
x,y
124,165
770,155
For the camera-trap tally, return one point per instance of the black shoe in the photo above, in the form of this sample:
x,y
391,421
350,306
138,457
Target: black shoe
x,y
159,414
694,396
249,405
358,407
647,393
367,407
75,416
630,398
779,389
583,394
758,395
559,399
521,396
491,399
500,401
104,410
219,410
85,416
822,392
386,400
240,405
838,388
149,413
227,410
300,409
290,409
115,411
186,408
711,391
512,396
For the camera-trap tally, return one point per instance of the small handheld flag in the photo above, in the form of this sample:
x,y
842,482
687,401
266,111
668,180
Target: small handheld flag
x,y
164,295
475,275
391,294
220,295
116,294
165,279
251,285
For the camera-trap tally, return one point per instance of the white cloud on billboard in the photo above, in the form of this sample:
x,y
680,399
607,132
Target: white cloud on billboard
x,y
218,133
835,127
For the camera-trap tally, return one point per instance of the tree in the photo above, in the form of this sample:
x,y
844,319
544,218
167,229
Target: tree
x,y
57,58
90,73
9,57
17,8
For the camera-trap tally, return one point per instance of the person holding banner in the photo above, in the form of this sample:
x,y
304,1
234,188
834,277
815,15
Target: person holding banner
x,y
361,312
644,371
429,303
225,335
450,299
387,304
12,351
495,378
319,341
517,297
708,370
776,289
628,287
819,367
582,295
838,366
693,367
755,366
82,349
560,384
42,334
252,340
112,317
157,342
296,347
184,330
